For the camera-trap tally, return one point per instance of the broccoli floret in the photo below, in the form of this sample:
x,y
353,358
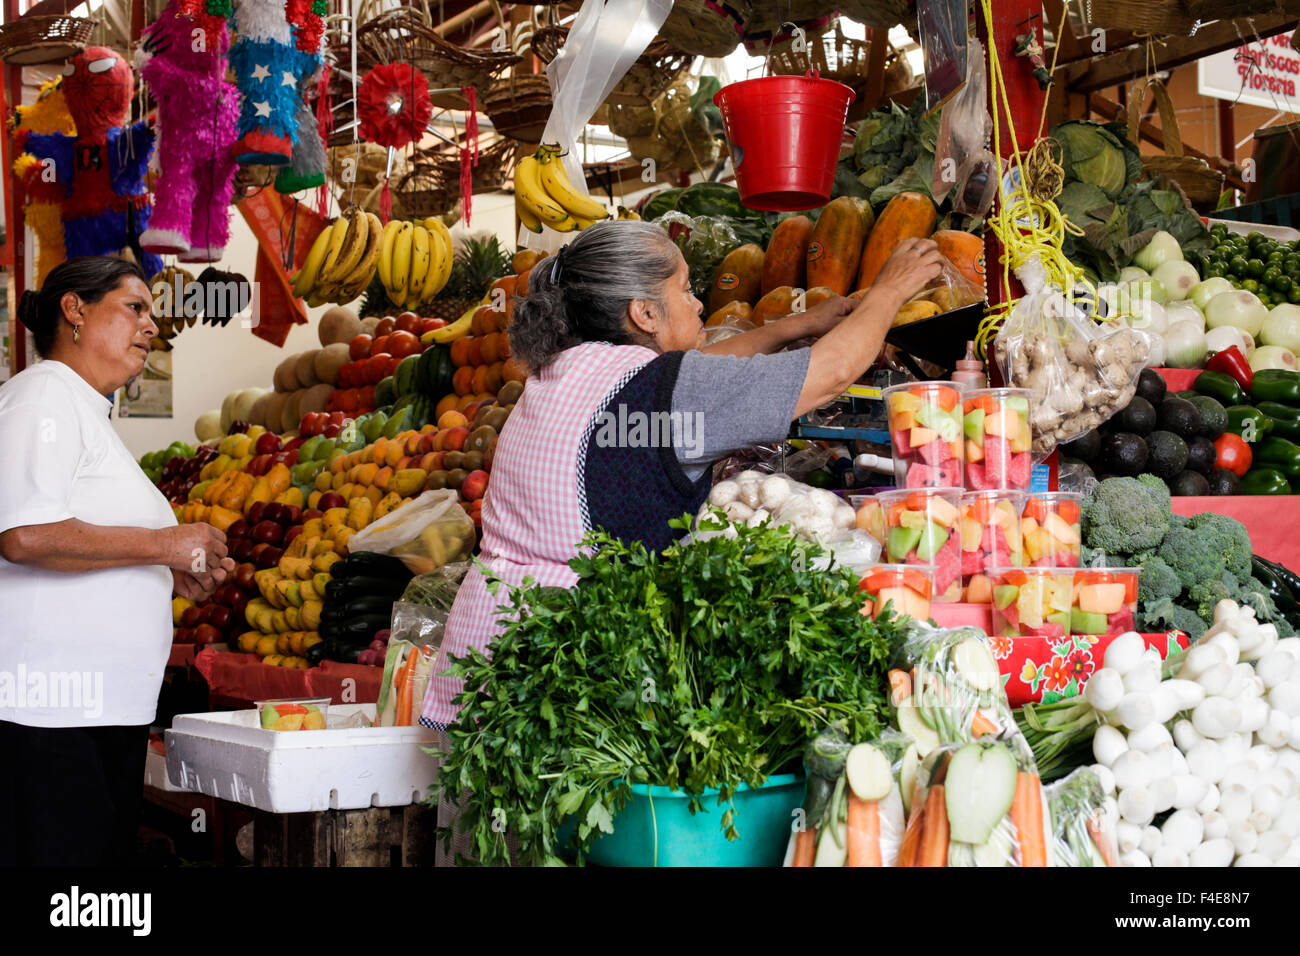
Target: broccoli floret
x,y
1177,521
1204,595
1228,537
1192,557
1126,515
1255,595
1143,558
1284,628
1157,581
1166,615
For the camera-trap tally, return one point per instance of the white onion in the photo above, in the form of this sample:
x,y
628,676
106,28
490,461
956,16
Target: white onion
x,y
1217,852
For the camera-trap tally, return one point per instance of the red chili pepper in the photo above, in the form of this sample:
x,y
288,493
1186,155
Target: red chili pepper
x,y
1231,362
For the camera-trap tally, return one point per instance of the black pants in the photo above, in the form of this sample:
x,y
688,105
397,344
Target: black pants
x,y
70,796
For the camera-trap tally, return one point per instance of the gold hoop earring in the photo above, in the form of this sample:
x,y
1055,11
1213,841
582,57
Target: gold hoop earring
x,y
76,334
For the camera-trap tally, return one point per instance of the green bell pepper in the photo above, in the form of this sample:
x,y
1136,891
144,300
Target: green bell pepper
x,y
1285,419
1279,453
1239,417
1265,481
1220,386
1276,385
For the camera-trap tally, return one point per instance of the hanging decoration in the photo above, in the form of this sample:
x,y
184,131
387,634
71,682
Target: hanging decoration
x,y
197,111
307,170
101,170
324,127
41,212
208,15
469,152
393,109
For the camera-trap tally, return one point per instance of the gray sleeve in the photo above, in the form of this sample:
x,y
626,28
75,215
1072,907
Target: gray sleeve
x,y
726,402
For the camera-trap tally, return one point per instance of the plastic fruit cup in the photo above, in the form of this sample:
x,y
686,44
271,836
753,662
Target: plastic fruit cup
x,y
1049,525
921,528
1032,602
908,588
870,516
990,537
998,439
1104,600
294,713
925,430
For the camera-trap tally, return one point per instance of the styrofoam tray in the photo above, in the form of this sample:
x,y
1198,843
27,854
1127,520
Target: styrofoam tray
x,y
155,772
228,755
1280,233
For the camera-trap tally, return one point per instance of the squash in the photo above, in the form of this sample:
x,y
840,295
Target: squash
x,y
784,263
836,244
908,216
775,305
964,251
739,277
729,313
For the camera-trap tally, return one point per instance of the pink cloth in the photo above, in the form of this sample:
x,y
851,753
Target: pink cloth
x,y
532,515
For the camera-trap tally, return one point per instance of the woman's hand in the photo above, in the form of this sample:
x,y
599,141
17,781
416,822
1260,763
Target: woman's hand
x,y
914,264
197,549
824,316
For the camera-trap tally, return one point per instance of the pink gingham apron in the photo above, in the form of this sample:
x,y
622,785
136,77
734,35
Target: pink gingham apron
x,y
532,519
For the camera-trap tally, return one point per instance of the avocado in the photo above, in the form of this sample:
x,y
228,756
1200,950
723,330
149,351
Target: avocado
x,y
1179,416
1087,622
974,425
1201,455
1123,454
1214,417
1084,448
1223,482
1004,595
1151,386
901,542
1188,484
1166,454
1138,417
933,537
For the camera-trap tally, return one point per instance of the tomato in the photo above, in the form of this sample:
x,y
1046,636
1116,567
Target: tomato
x,y
359,347
428,325
376,368
379,346
1234,454
393,362
403,343
386,325
407,322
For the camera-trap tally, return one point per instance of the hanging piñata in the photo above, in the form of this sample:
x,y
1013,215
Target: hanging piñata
x,y
42,193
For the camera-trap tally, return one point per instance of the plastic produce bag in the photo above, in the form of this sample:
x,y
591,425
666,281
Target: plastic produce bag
x,y
704,242
752,497
1080,373
950,290
1083,821
437,588
425,533
964,130
417,624
406,677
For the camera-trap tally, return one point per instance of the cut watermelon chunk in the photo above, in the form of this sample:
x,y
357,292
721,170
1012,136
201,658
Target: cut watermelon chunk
x,y
1020,469
1120,622
901,442
1067,559
975,477
972,562
997,451
920,475
947,565
1011,614
935,452
950,473
1048,629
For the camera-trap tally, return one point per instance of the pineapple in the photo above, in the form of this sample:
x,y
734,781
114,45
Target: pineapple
x,y
479,262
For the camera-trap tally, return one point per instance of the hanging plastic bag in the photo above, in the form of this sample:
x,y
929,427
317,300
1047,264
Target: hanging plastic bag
x,y
1083,821
964,129
948,291
425,533
407,669
438,588
1080,373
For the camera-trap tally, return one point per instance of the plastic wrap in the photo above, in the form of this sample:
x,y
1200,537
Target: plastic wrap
x,y
407,670
1083,821
1079,373
438,588
752,497
964,130
425,533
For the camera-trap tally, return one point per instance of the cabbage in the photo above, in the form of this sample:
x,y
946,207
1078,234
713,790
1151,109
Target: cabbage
x,y
1093,154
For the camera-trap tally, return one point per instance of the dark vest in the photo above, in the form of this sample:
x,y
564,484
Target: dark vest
x,y
629,480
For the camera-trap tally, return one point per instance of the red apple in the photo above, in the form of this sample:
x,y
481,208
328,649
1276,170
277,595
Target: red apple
x,y
258,551
242,550
268,443
219,616
238,529
267,532
238,427
243,576
332,430
254,514
290,534
226,594
181,635
293,514
331,499
239,606
313,513
259,465
271,557
294,442
192,616
206,634
274,511
291,457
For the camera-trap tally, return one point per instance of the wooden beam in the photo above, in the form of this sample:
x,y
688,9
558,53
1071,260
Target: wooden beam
x,y
1127,65
1110,110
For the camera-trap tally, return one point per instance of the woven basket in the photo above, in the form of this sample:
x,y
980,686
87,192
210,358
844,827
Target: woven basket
x,y
882,14
1198,180
407,34
1176,16
34,40
369,164
519,105
487,174
706,27
767,16
651,73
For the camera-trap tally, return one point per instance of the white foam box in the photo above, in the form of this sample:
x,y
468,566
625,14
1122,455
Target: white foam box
x,y
155,772
229,755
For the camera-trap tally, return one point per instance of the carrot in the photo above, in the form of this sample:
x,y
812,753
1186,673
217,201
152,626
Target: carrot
x,y
911,839
405,686
981,725
1027,816
1104,846
900,686
805,847
864,832
933,848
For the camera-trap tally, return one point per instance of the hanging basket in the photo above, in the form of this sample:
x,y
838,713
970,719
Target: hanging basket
x,y
368,163
423,191
487,174
883,14
1201,182
33,40
768,16
408,34
519,106
651,73
1176,16
706,27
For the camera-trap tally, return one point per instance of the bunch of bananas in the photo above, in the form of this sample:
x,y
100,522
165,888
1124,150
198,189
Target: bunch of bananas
x,y
544,195
415,261
342,260
169,289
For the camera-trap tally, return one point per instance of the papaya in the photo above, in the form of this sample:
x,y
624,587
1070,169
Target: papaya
x,y
776,304
730,312
836,244
907,216
817,295
739,277
915,311
784,263
965,252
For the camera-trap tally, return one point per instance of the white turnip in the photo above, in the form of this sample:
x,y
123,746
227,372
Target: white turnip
x,y
1215,826
1104,690
1124,652
1216,717
1135,711
1108,744
1216,852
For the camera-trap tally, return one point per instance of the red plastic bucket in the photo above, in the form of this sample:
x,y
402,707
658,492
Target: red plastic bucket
x,y
785,134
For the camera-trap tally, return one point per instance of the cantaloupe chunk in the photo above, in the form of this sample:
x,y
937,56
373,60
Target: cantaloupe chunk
x,y
1101,598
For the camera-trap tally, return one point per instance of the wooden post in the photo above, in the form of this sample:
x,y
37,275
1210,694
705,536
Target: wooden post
x,y
1227,132
15,222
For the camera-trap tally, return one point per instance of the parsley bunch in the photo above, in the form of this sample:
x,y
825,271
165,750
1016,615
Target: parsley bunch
x,y
709,664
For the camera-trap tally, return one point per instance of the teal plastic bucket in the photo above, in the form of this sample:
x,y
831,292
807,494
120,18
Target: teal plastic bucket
x,y
657,828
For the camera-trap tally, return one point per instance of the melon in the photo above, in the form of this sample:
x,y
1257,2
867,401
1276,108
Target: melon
x,y
338,325
368,325
208,425
257,415
304,369
329,360
314,399
242,407
226,417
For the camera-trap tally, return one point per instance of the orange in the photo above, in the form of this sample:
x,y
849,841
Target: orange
x,y
521,285
508,283
479,319
446,404
495,378
476,350
451,419
514,371
460,381
460,351
478,382
489,348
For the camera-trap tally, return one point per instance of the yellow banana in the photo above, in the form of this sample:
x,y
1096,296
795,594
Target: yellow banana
x,y
530,191
625,213
567,224
461,327
584,223
527,216
401,263
354,246
419,262
305,280
439,236
556,183
336,231
364,270
386,251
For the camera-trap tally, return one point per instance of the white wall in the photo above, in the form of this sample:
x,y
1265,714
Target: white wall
x,y
208,363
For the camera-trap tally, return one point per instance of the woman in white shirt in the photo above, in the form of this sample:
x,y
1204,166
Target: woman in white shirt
x,y
90,553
